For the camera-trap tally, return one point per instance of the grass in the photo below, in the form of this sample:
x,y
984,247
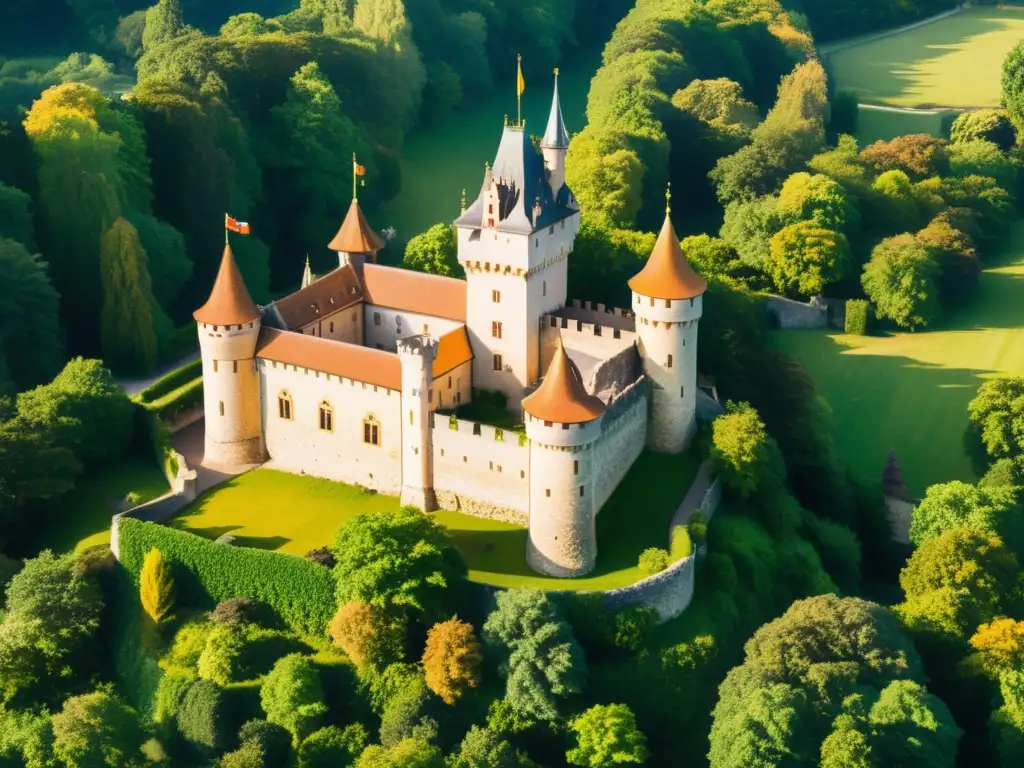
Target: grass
x,y
955,62
882,125
488,408
95,500
910,391
268,509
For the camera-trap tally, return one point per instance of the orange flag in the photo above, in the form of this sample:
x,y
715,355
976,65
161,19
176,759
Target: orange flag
x,y
241,227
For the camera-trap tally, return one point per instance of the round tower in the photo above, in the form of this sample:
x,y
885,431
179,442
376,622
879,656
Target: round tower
x,y
229,325
563,423
417,355
668,302
356,240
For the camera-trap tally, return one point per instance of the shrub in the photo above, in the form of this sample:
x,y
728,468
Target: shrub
x,y
169,695
201,717
180,400
740,447
234,611
367,635
408,715
333,747
187,646
219,660
857,316
653,560
607,735
681,544
171,381
1003,472
322,556
156,586
293,697
633,626
98,729
246,756
273,741
451,660
299,591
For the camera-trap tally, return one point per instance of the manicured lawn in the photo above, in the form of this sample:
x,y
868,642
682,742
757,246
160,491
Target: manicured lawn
x,y
86,520
882,125
910,391
295,513
955,62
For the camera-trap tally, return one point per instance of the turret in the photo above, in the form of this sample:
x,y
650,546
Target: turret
x,y
229,324
668,302
417,354
555,144
307,275
356,241
562,423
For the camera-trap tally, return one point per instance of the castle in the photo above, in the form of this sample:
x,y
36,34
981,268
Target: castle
x,y
344,378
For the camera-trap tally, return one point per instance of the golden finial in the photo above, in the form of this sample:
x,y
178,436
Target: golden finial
x,y
463,203
556,71
668,198
505,123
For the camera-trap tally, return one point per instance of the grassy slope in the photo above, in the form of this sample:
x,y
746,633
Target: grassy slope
x,y
909,391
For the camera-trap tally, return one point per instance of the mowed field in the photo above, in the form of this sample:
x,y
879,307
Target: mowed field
x,y
910,391
954,62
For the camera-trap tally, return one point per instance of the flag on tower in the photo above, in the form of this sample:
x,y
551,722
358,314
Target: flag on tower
x,y
360,170
241,227
520,81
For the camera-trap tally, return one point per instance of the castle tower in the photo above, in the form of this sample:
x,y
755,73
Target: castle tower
x,y
417,354
668,302
229,324
555,144
356,240
562,423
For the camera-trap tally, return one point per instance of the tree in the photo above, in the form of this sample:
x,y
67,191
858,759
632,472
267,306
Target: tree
x,y
401,560
606,259
483,748
711,256
1013,83
805,257
817,198
982,158
917,154
987,124
452,659
164,21
434,252
367,635
720,104
749,227
411,753
273,742
16,216
997,413
957,504
293,697
606,736
156,586
900,280
168,263
127,332
201,717
606,176
332,747
1000,645
541,660
741,447
98,729
956,255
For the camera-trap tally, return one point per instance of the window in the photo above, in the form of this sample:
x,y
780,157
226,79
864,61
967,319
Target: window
x,y
354,317
682,391
496,297
668,303
449,382
544,288
326,417
234,363
332,326
497,362
284,405
371,431
221,407
376,318
490,223
490,207
536,242
430,395
581,490
426,330
575,467
522,474
214,366
670,361
563,223
496,329
652,301
410,418
551,229
547,492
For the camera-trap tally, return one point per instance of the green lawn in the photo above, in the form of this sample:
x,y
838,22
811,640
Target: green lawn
x,y
909,391
882,125
295,513
955,62
86,520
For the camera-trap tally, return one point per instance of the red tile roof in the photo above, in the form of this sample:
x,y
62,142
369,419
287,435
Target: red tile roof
x,y
667,274
356,235
373,366
415,292
334,291
229,302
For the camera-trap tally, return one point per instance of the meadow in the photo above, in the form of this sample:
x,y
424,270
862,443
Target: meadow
x,y
909,391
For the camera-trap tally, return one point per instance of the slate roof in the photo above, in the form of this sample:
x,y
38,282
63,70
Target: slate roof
x,y
555,137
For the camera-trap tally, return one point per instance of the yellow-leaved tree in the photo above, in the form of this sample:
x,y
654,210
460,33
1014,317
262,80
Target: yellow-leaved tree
x,y
156,586
451,661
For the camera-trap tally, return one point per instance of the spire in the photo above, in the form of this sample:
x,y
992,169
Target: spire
x,y
892,479
667,274
555,137
229,302
355,235
307,275
561,397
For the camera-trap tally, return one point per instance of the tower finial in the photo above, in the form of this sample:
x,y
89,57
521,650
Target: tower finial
x,y
668,198
463,203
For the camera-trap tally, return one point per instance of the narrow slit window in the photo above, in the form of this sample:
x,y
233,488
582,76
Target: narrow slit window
x,y
376,318
221,406
670,361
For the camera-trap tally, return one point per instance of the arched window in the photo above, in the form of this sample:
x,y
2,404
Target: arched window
x,y
284,405
371,430
326,416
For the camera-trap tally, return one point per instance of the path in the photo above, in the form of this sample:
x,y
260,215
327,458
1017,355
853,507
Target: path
x,y
189,442
695,496
132,387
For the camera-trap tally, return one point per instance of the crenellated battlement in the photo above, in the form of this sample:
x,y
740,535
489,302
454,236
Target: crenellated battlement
x,y
445,425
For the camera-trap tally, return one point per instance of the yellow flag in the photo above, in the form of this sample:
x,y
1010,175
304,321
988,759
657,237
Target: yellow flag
x,y
520,82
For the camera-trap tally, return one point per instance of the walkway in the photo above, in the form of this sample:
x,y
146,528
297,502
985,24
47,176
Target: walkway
x,y
132,387
189,442
695,496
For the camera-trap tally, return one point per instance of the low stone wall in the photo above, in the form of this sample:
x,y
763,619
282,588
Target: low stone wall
x,y
794,314
457,502
592,312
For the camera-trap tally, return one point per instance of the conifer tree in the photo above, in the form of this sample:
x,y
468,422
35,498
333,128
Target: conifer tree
x,y
163,21
127,333
156,588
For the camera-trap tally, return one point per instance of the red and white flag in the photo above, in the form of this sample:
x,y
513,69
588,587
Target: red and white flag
x,y
241,227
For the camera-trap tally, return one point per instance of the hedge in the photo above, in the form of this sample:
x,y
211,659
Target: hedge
x,y
298,590
858,317
172,381
151,430
180,400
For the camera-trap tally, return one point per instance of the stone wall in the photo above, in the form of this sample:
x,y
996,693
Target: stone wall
x,y
616,374
794,314
385,326
481,470
623,437
599,314
900,512
590,346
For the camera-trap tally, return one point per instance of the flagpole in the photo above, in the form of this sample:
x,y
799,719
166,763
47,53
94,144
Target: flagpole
x,y
354,176
519,91
226,229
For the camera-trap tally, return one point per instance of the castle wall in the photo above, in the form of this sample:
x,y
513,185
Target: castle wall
x,y
345,325
510,310
589,346
299,445
623,436
796,314
599,314
454,388
477,473
398,324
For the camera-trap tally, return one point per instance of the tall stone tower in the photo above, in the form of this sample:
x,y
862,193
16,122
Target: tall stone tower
x,y
356,241
514,242
229,324
417,354
668,302
555,144
562,423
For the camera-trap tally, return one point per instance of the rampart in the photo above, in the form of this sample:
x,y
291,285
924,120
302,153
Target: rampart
x,y
592,347
790,314
598,314
623,437
481,470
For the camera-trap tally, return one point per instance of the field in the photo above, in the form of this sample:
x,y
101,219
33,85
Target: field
x,y
295,513
909,391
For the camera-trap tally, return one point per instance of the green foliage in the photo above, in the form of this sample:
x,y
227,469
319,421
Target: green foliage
x,y
170,693
167,261
997,413
805,257
434,252
653,560
332,747
180,400
221,655
401,560
297,590
202,718
957,504
606,736
609,258
156,586
483,748
409,714
955,252
711,256
127,321
1013,83
367,635
858,315
740,447
900,280
273,742
411,753
98,729
164,22
605,175
539,656
819,199
982,158
16,216
749,227
633,627
293,697
986,124
720,104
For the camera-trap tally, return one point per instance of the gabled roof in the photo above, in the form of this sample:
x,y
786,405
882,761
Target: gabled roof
x,y
561,397
334,291
452,351
356,235
397,288
555,137
667,274
521,178
229,302
374,366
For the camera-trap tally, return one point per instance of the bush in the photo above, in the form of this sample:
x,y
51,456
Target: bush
x,y
293,697
333,747
219,660
698,533
633,626
171,381
273,741
236,610
322,556
367,635
652,560
246,756
297,590
201,717
857,317
156,586
408,715
169,695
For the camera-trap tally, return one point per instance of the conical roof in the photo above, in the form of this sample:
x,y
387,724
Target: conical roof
x,y
561,396
667,274
892,479
355,235
555,137
229,302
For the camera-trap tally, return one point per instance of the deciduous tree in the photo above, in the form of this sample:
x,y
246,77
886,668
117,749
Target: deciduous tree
x,y
434,252
98,729
741,447
961,505
805,257
987,124
293,697
452,659
367,635
606,736
901,279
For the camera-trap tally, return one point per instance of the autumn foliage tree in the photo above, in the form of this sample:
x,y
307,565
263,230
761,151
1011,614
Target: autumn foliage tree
x,y
367,635
451,660
156,586
1001,647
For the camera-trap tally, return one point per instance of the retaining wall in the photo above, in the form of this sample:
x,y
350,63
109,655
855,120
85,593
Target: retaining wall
x,y
796,314
183,492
